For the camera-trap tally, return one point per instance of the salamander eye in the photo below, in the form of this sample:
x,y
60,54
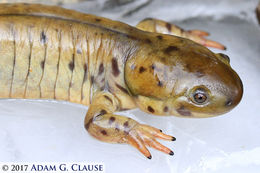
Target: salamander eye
x,y
200,96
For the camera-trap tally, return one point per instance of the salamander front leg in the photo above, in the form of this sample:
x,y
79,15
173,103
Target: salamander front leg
x,y
159,26
102,124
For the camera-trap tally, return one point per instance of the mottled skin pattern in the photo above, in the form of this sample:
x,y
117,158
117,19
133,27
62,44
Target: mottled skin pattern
x,y
53,53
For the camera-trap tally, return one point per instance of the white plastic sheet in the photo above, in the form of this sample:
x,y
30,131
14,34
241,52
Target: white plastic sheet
x,y
33,130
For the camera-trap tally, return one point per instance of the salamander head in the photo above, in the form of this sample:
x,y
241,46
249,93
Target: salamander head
x,y
179,77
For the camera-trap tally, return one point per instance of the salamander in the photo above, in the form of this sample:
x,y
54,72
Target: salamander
x,y
49,52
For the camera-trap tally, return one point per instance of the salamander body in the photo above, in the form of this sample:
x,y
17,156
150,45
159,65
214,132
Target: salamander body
x,y
54,53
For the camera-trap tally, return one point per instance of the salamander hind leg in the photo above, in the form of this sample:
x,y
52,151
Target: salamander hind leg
x,y
102,124
159,26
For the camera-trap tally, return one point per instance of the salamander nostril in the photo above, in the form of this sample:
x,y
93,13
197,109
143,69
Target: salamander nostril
x,y
229,102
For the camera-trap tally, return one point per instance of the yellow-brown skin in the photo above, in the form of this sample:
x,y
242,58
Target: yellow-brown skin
x,y
53,53
173,71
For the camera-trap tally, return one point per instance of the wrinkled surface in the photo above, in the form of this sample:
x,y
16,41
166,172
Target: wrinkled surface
x,y
53,131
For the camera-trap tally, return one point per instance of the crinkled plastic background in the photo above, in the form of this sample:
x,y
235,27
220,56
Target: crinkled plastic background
x,y
36,130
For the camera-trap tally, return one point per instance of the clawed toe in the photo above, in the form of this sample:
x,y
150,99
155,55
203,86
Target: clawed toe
x,y
199,37
156,145
199,32
138,143
144,135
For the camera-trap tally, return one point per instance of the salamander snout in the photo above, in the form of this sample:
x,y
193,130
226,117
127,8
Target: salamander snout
x,y
215,93
230,82
234,96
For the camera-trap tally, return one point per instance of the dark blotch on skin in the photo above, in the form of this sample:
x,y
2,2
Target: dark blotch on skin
x,y
71,65
115,69
85,67
101,69
142,69
228,102
165,109
124,109
189,67
131,37
126,132
111,120
109,99
148,41
85,72
102,88
102,112
150,109
103,132
89,122
126,124
160,84
183,111
170,49
153,66
92,79
42,64
168,26
159,37
43,38
122,88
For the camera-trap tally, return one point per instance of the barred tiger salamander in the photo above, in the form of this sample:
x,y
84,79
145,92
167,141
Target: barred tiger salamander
x,y
50,52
